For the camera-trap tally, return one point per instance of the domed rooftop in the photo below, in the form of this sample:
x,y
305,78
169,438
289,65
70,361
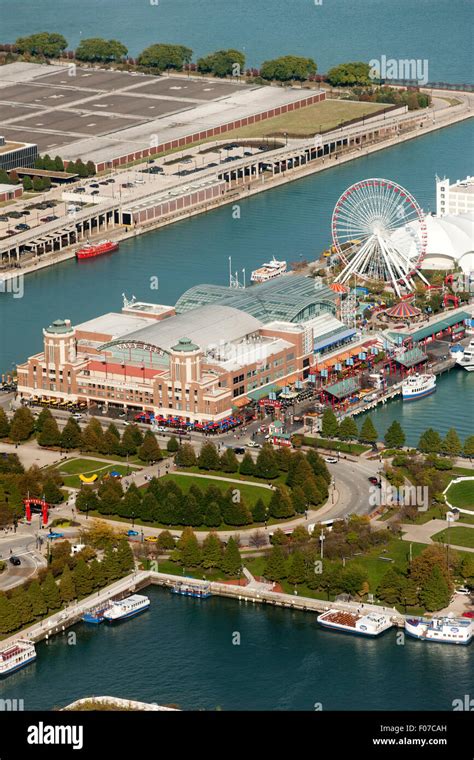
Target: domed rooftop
x,y
185,344
450,241
59,326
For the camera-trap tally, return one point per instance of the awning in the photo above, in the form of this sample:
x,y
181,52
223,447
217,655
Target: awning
x,y
241,402
326,342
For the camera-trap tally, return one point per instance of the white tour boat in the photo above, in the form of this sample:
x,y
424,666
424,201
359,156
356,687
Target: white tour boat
x,y
466,358
16,656
370,624
126,608
445,630
268,271
418,386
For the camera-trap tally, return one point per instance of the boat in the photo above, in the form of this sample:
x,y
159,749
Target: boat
x,y
90,250
444,630
466,358
96,614
268,271
194,590
417,386
15,656
370,624
126,608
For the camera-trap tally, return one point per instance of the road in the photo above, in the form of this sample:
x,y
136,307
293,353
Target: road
x,y
23,545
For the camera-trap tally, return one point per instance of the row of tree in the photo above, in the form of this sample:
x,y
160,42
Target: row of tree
x,y
212,554
26,604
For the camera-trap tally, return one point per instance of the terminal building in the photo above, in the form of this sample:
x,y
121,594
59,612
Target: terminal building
x,y
216,350
456,198
16,154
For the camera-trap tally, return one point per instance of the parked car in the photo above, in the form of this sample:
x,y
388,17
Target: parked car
x,y
462,590
77,416
15,560
151,539
3,218
253,445
94,184
331,460
239,450
373,479
95,192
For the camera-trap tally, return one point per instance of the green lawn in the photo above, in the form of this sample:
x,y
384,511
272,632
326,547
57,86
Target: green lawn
x,y
281,479
457,536
73,467
461,494
250,494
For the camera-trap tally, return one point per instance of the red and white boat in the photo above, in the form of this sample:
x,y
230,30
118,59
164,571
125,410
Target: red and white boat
x,y
89,250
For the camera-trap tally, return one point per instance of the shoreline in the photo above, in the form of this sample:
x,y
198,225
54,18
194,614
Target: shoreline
x,y
241,192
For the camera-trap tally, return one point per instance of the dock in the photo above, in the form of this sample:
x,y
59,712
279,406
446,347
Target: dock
x,y
58,623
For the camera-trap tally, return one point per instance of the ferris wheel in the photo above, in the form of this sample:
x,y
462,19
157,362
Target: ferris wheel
x,y
379,233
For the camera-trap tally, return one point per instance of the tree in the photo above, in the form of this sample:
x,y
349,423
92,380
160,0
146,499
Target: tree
x,y
23,606
125,556
297,568
52,493
349,74
27,184
222,63
44,415
275,564
67,588
300,470
83,579
451,445
468,448
247,465
228,461
185,456
266,465
111,564
172,445
213,516
22,425
288,67
87,500
188,548
231,559
368,433
149,451
51,593
318,465
98,49
299,501
348,430
38,185
165,541
93,436
37,600
129,444
435,592
58,164
211,551
47,44
49,435
281,505
162,57
9,619
71,437
430,442
391,587
208,458
4,423
234,510
395,437
193,514
329,424
353,579
259,511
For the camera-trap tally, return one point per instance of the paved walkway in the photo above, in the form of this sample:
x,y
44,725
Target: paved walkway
x,y
421,534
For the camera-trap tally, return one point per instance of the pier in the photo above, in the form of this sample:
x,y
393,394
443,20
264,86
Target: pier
x,y
60,621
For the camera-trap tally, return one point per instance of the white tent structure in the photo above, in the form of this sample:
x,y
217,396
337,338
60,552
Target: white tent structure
x,y
450,242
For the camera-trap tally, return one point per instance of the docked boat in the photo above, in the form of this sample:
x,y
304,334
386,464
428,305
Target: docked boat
x,y
189,589
268,271
465,358
126,608
418,386
96,614
90,250
16,656
444,630
371,624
